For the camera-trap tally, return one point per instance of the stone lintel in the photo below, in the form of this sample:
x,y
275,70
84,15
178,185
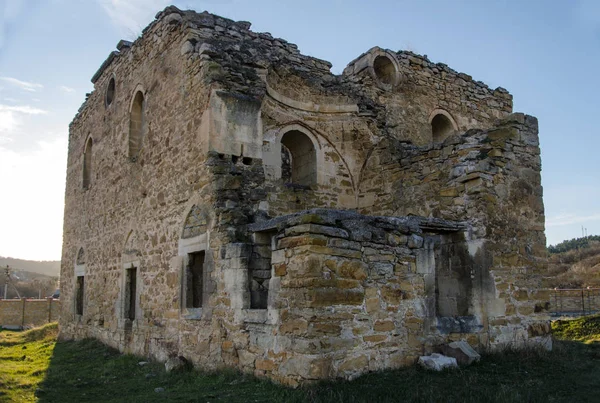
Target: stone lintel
x,y
335,218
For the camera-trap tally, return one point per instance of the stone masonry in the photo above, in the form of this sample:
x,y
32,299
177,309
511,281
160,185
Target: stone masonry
x,y
232,201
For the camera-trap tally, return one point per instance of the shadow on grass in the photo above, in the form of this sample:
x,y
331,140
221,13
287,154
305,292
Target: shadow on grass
x,y
88,371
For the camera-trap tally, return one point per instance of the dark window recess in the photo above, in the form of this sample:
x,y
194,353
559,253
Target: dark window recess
x,y
194,280
87,164
136,126
260,272
384,69
79,296
441,127
300,163
130,292
110,91
286,164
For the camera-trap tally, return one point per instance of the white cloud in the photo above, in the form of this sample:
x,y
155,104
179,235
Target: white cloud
x,y
11,118
24,85
64,88
131,16
33,203
26,109
568,219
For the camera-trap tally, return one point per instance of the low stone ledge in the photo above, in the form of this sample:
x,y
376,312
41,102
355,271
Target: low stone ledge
x,y
318,219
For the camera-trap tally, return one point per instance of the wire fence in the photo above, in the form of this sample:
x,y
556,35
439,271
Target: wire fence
x,y
575,302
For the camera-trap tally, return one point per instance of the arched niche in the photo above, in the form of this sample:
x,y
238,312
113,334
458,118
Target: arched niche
x,y
87,163
302,158
136,124
293,154
110,92
196,222
442,125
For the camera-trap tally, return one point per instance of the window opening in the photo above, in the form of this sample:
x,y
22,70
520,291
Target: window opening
x,y
260,270
384,70
136,126
302,158
195,280
130,292
110,91
79,293
441,127
87,164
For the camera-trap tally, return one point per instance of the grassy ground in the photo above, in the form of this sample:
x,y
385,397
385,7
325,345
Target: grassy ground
x,y
24,360
87,371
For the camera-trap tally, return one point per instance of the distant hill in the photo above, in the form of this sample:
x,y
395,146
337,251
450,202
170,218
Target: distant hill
x,y
574,263
47,267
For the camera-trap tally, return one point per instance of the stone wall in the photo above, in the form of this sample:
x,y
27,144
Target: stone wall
x,y
190,191
19,313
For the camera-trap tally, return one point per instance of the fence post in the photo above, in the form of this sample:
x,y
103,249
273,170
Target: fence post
x,y
24,300
49,299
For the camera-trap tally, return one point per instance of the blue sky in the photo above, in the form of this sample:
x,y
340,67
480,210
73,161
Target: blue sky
x,y
546,53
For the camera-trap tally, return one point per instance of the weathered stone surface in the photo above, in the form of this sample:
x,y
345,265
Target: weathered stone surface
x,y
437,362
236,203
175,364
462,351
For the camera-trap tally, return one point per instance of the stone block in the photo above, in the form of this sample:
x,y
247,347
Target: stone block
x,y
384,326
295,326
246,358
292,242
265,365
354,365
437,362
316,229
328,297
175,364
461,351
415,241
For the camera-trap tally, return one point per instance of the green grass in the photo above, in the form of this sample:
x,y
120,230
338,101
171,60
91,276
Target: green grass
x,y
88,371
585,329
24,360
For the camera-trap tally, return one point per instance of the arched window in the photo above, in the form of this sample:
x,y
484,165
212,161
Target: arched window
x,y
442,125
110,91
302,158
384,70
136,126
87,164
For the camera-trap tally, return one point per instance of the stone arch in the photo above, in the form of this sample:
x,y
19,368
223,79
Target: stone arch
x,y
80,257
109,95
442,125
131,280
302,157
131,247
382,66
137,123
196,222
272,152
197,284
87,163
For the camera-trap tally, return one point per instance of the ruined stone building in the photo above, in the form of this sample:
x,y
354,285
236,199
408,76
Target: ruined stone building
x,y
232,201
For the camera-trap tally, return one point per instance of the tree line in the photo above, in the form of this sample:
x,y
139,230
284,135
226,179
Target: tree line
x,y
575,243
